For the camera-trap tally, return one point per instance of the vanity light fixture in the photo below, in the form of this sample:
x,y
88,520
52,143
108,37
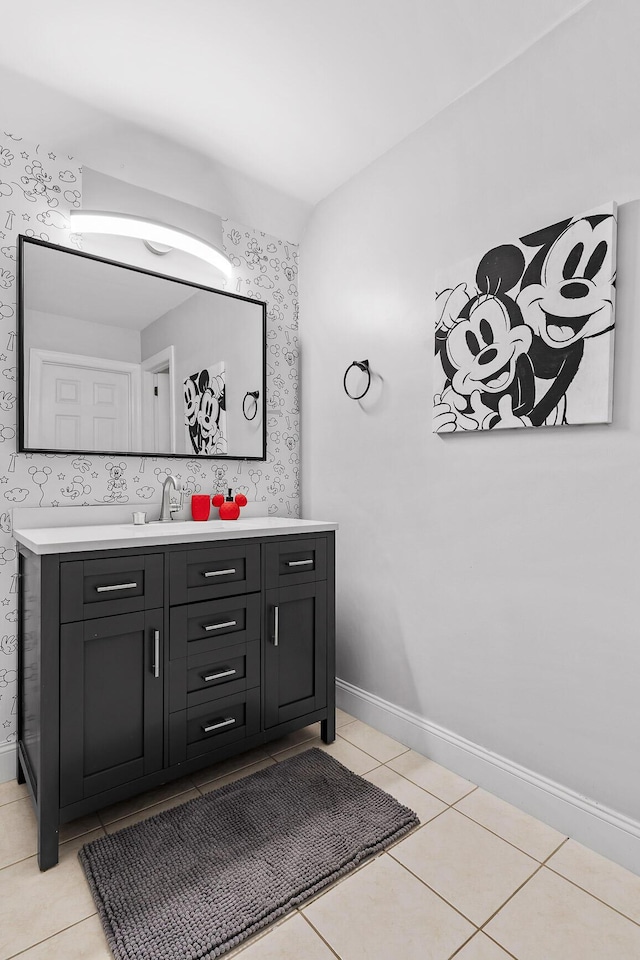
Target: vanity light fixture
x,y
150,231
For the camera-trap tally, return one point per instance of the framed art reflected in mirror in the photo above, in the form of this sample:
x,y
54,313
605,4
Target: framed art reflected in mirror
x,y
119,360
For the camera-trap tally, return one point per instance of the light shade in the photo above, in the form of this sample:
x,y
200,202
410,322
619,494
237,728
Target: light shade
x,y
126,225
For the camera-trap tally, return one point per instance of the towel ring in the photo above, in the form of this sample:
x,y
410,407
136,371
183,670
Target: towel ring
x,y
254,394
361,365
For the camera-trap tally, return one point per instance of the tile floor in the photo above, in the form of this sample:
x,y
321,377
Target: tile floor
x,y
478,880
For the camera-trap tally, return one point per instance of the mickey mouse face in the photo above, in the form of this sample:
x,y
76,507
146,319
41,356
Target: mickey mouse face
x,y
574,297
190,402
208,413
483,347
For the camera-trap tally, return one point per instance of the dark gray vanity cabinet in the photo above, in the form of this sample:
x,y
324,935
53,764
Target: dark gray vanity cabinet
x,y
141,666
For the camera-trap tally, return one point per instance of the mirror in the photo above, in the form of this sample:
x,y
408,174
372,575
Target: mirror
x,y
119,360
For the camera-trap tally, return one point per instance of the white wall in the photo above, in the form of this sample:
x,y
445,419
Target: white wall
x,y
487,583
48,331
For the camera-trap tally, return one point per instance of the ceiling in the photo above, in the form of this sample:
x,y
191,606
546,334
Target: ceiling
x,y
63,285
295,93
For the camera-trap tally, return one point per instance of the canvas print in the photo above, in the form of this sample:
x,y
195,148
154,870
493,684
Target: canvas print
x,y
205,415
524,333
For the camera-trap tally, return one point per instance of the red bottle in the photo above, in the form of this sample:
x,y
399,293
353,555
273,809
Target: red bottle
x,y
229,507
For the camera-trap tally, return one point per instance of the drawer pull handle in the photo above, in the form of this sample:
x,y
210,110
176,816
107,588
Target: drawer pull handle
x,y
217,573
276,626
298,563
218,676
219,626
116,586
218,726
156,653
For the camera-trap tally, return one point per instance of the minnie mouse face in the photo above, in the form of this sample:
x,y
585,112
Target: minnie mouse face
x,y
483,346
208,414
190,401
573,299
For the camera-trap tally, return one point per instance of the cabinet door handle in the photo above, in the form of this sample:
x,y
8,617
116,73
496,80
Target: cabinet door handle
x,y
219,626
276,626
116,586
298,563
156,653
218,726
217,573
226,672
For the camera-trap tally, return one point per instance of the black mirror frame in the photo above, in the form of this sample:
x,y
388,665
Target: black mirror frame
x,y
21,399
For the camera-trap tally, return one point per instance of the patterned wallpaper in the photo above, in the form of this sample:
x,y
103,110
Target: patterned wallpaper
x,y
38,187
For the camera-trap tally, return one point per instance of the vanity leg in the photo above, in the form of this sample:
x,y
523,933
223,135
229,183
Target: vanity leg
x,y
47,840
328,728
20,777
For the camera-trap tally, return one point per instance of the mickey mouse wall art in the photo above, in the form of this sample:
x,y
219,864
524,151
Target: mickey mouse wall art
x,y
524,333
205,414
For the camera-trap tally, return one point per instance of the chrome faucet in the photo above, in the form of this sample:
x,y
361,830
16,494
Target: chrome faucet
x,y
165,509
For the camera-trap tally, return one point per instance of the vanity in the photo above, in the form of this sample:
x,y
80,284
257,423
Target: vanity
x,y
149,652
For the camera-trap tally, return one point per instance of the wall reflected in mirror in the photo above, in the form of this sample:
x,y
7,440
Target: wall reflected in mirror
x,y
119,360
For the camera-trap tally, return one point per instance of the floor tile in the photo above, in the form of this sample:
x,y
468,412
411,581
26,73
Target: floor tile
x,y
128,807
221,769
18,838
604,879
482,948
312,732
292,940
12,790
377,744
382,911
139,815
83,941
470,867
342,717
406,792
237,775
523,831
344,752
431,776
551,919
299,748
35,905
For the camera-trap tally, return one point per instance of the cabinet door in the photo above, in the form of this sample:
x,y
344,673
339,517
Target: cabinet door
x,y
111,702
295,652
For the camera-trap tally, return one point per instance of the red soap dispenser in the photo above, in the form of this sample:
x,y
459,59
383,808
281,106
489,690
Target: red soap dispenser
x,y
229,506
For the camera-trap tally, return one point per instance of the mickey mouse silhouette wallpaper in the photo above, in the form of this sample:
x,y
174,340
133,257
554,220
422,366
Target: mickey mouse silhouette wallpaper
x,y
524,333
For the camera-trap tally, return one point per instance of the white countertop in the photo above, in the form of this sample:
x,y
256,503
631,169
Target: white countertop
x,y
112,536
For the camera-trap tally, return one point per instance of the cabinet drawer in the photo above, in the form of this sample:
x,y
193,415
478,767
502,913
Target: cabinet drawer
x,y
295,561
103,588
202,729
214,572
210,676
205,627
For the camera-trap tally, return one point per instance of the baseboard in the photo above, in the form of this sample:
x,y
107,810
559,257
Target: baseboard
x,y
604,830
7,761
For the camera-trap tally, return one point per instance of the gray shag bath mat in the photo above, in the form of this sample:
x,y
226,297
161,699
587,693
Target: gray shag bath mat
x,y
195,881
